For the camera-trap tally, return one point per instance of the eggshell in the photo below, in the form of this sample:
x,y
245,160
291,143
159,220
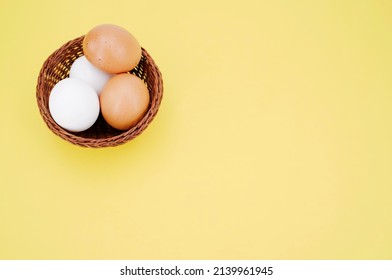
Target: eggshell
x,y
74,105
83,70
124,101
112,48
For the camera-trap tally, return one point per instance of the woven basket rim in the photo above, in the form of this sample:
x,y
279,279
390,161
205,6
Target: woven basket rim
x,y
151,71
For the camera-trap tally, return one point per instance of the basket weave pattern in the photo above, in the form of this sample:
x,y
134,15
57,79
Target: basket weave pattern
x,y
57,68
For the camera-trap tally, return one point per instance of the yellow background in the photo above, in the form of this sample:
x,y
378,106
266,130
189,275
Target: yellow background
x,y
273,141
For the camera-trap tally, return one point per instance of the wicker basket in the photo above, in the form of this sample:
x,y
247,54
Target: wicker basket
x,y
57,67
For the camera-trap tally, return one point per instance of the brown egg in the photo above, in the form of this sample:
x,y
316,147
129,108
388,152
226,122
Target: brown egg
x,y
124,101
111,48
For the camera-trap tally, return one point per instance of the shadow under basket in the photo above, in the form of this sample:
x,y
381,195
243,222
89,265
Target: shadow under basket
x,y
101,134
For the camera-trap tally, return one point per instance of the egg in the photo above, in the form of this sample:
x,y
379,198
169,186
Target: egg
x,y
124,101
112,48
83,70
74,104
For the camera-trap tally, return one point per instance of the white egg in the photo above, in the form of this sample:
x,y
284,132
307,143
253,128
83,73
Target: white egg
x,y
74,104
83,70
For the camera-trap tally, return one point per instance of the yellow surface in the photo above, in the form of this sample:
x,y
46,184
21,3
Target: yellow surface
x,y
273,141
